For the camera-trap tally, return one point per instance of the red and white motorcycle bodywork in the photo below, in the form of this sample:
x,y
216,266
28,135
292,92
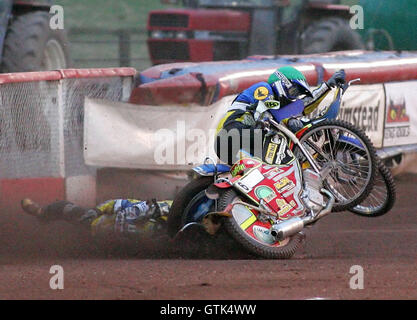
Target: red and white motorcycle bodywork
x,y
275,193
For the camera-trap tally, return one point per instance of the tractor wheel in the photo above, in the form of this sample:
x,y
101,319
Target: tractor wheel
x,y
31,45
331,34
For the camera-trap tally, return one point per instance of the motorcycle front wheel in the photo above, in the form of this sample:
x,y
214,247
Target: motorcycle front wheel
x,y
350,179
253,234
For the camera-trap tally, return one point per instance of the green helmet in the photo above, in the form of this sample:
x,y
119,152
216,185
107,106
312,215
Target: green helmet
x,y
288,82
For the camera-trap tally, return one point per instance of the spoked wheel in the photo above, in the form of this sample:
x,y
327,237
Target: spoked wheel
x,y
253,234
383,195
332,143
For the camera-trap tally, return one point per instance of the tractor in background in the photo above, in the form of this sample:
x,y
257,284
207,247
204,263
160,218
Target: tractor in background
x,y
27,41
210,30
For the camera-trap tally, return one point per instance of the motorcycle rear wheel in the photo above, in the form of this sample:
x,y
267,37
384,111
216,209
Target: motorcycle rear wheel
x,y
382,197
250,238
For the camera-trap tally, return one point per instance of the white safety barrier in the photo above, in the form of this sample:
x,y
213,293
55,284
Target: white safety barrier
x,y
148,149
124,135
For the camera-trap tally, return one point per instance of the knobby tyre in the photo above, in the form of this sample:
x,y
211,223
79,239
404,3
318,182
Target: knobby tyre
x,y
382,197
269,250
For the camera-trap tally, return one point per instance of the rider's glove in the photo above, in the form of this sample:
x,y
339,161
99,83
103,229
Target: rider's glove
x,y
262,123
295,124
89,215
248,120
339,77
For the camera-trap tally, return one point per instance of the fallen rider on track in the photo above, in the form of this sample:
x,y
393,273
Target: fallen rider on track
x,y
121,219
135,227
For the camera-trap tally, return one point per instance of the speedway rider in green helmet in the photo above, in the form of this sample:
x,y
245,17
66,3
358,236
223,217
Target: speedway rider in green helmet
x,y
283,87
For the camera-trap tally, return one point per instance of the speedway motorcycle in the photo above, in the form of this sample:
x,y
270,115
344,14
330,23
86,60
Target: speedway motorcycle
x,y
329,166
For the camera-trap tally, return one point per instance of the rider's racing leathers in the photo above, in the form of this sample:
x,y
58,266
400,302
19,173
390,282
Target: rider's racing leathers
x,y
121,216
242,114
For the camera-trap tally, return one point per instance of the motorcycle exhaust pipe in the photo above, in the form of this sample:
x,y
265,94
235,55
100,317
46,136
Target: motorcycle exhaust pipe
x,y
287,228
294,225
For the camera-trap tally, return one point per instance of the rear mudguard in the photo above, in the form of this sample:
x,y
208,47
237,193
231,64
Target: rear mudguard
x,y
216,189
210,170
228,184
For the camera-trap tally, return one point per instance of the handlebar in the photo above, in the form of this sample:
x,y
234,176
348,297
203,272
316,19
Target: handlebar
x,y
345,86
331,111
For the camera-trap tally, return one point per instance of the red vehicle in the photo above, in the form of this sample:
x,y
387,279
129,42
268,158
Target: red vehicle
x,y
210,30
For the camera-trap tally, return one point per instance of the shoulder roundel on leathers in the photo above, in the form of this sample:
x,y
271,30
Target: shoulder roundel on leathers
x,y
261,93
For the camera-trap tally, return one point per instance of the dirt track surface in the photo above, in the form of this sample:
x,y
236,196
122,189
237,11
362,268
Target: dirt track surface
x,y
385,247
